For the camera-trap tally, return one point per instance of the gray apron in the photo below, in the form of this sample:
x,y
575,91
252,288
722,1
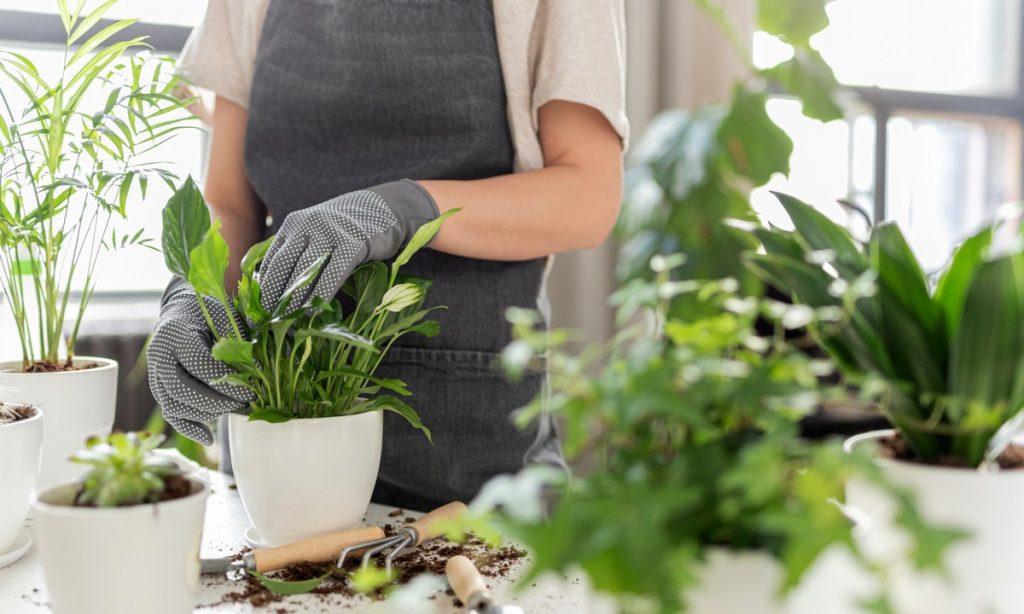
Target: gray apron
x,y
348,94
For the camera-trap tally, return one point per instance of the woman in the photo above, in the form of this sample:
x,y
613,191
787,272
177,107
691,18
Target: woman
x,y
352,122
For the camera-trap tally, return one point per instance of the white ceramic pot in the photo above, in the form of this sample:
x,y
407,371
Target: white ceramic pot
x,y
730,582
20,445
302,478
125,560
78,404
984,569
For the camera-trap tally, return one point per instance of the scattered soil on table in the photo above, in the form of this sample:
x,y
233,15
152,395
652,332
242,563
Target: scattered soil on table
x,y
895,447
175,487
428,558
10,413
54,367
396,513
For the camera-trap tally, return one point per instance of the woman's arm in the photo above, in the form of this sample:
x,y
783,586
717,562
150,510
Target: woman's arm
x,y
228,191
571,203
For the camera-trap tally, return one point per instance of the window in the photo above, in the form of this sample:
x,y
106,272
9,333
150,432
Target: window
x,y
31,27
934,140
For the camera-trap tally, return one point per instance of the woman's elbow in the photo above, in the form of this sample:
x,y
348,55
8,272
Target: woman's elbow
x,y
600,212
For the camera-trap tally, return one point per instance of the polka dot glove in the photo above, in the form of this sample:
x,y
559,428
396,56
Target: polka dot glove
x,y
182,368
351,229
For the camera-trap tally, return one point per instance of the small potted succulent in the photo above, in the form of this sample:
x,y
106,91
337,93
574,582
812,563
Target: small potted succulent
x,y
126,537
70,167
21,435
946,359
702,496
306,455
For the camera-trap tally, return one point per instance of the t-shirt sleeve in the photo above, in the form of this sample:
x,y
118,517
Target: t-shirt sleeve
x,y
581,57
220,53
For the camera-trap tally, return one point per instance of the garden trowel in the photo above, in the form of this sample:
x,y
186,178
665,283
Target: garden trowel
x,y
470,588
319,549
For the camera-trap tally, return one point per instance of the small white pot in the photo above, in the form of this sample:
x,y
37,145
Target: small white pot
x,y
20,445
984,573
78,404
305,477
125,560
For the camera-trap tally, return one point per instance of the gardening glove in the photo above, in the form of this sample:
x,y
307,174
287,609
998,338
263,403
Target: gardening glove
x,y
348,230
182,368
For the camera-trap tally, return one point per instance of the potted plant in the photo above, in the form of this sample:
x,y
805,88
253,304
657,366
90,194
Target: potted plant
x,y
21,433
306,456
71,148
126,537
700,495
947,360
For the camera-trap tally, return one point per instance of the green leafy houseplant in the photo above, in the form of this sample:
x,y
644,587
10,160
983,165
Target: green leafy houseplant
x,y
694,426
694,169
67,170
124,471
303,361
948,354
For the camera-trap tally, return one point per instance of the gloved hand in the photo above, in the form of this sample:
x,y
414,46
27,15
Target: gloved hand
x,y
182,368
351,229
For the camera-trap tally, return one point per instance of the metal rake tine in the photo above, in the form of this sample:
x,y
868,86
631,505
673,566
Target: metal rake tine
x,y
375,550
389,559
356,547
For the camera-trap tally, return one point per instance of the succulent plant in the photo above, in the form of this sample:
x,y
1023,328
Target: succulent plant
x,y
125,471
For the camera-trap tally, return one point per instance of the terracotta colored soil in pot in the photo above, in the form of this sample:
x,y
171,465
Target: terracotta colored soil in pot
x,y
895,447
175,487
10,413
428,558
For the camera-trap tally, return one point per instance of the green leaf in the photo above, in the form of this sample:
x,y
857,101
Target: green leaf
x,y
186,221
208,261
367,286
952,288
757,147
987,351
336,332
273,416
233,351
95,41
394,385
823,234
424,235
370,578
808,77
794,21
90,20
255,256
390,403
289,587
304,279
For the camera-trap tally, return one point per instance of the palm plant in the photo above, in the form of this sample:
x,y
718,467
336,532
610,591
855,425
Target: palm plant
x,y
947,353
69,168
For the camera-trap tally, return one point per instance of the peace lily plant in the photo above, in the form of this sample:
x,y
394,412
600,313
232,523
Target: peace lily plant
x,y
73,162
311,369
944,359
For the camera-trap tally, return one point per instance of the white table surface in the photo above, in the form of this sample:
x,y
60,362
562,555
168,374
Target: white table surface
x,y
23,590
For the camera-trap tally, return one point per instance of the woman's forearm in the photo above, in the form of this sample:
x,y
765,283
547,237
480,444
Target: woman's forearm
x,y
571,203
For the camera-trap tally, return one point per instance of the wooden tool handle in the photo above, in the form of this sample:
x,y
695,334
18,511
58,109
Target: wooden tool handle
x,y
427,526
464,578
319,549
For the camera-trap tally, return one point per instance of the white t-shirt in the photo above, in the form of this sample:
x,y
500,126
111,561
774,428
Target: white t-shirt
x,y
572,50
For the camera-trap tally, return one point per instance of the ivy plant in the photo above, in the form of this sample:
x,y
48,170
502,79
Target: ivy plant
x,y
692,426
123,470
694,169
70,166
947,354
303,361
